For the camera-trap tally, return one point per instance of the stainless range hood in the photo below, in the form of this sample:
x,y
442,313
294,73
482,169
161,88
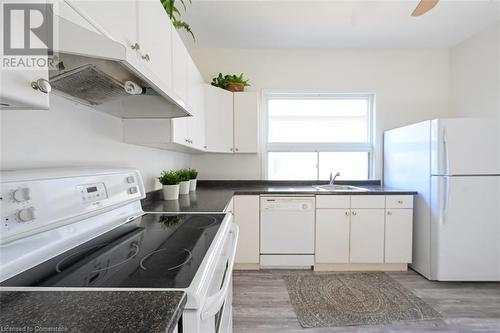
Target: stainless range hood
x,y
92,69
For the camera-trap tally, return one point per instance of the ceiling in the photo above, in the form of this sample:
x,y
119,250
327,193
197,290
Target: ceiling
x,y
336,24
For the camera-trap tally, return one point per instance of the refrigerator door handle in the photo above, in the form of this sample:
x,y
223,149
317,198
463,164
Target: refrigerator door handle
x,y
445,203
446,154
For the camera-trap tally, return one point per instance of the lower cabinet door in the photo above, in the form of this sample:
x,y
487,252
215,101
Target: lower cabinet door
x,y
367,236
246,216
332,236
398,235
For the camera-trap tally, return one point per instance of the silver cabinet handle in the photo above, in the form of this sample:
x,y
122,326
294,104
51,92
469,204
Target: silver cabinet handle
x,y
135,46
146,57
400,202
237,149
347,213
42,85
231,149
205,147
354,213
389,213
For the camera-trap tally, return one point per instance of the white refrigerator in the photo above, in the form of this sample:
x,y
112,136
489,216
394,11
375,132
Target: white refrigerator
x,y
454,164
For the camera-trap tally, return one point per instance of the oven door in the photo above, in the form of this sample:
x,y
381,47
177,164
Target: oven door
x,y
216,313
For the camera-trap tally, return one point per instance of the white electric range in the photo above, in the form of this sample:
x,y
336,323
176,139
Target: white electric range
x,y
84,229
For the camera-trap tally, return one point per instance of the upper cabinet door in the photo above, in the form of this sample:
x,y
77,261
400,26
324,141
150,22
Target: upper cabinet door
x,y
219,119
196,125
155,39
180,130
246,122
117,18
180,58
17,93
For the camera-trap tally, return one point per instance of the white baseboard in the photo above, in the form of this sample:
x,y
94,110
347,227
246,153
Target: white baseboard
x,y
287,261
361,267
246,266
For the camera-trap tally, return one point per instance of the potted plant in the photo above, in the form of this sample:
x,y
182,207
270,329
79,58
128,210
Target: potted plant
x,y
170,181
175,15
234,83
184,177
192,179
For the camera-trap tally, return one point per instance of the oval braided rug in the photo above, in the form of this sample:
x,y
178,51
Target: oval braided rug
x,y
346,299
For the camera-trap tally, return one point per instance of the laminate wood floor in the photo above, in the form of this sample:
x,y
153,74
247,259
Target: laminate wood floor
x,y
261,304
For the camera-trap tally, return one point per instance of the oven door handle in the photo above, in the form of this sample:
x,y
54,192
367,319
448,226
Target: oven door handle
x,y
215,302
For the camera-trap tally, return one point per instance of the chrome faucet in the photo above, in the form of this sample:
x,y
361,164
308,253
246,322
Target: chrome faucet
x,y
332,177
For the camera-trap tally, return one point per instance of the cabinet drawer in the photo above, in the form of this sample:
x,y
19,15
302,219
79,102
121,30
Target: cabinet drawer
x,y
367,201
332,201
399,201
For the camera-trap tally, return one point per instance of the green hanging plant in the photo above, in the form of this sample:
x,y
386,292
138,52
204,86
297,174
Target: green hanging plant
x,y
175,15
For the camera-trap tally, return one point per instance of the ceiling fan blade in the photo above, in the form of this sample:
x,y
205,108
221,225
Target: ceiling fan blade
x,y
424,6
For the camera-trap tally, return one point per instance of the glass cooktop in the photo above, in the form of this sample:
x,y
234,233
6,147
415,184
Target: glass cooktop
x,y
152,251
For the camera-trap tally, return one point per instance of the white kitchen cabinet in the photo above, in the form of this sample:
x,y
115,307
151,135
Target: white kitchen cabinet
x,y
180,58
16,92
246,216
367,235
333,201
156,133
196,102
332,235
190,131
367,201
360,232
155,37
399,201
231,121
246,121
180,131
218,119
183,134
146,31
117,18
184,129
398,235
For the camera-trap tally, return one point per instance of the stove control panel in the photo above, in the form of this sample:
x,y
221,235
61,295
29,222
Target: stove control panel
x,y
35,201
92,192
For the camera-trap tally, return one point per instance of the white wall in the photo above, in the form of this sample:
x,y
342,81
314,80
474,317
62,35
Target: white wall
x,y
410,86
70,134
475,75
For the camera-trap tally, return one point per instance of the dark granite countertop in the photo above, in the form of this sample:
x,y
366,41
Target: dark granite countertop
x,y
90,311
213,196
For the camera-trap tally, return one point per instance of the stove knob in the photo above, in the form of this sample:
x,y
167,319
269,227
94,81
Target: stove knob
x,y
26,214
22,194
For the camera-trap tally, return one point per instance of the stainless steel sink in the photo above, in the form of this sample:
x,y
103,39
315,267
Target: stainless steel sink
x,y
333,188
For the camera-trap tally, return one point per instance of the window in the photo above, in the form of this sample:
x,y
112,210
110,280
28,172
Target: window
x,y
307,136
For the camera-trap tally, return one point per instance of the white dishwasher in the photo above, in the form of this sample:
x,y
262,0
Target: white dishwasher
x,y
287,232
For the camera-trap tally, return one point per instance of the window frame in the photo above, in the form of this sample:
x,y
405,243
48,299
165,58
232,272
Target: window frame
x,y
316,147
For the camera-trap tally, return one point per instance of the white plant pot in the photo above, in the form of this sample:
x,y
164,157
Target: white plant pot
x,y
171,192
192,185
184,187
